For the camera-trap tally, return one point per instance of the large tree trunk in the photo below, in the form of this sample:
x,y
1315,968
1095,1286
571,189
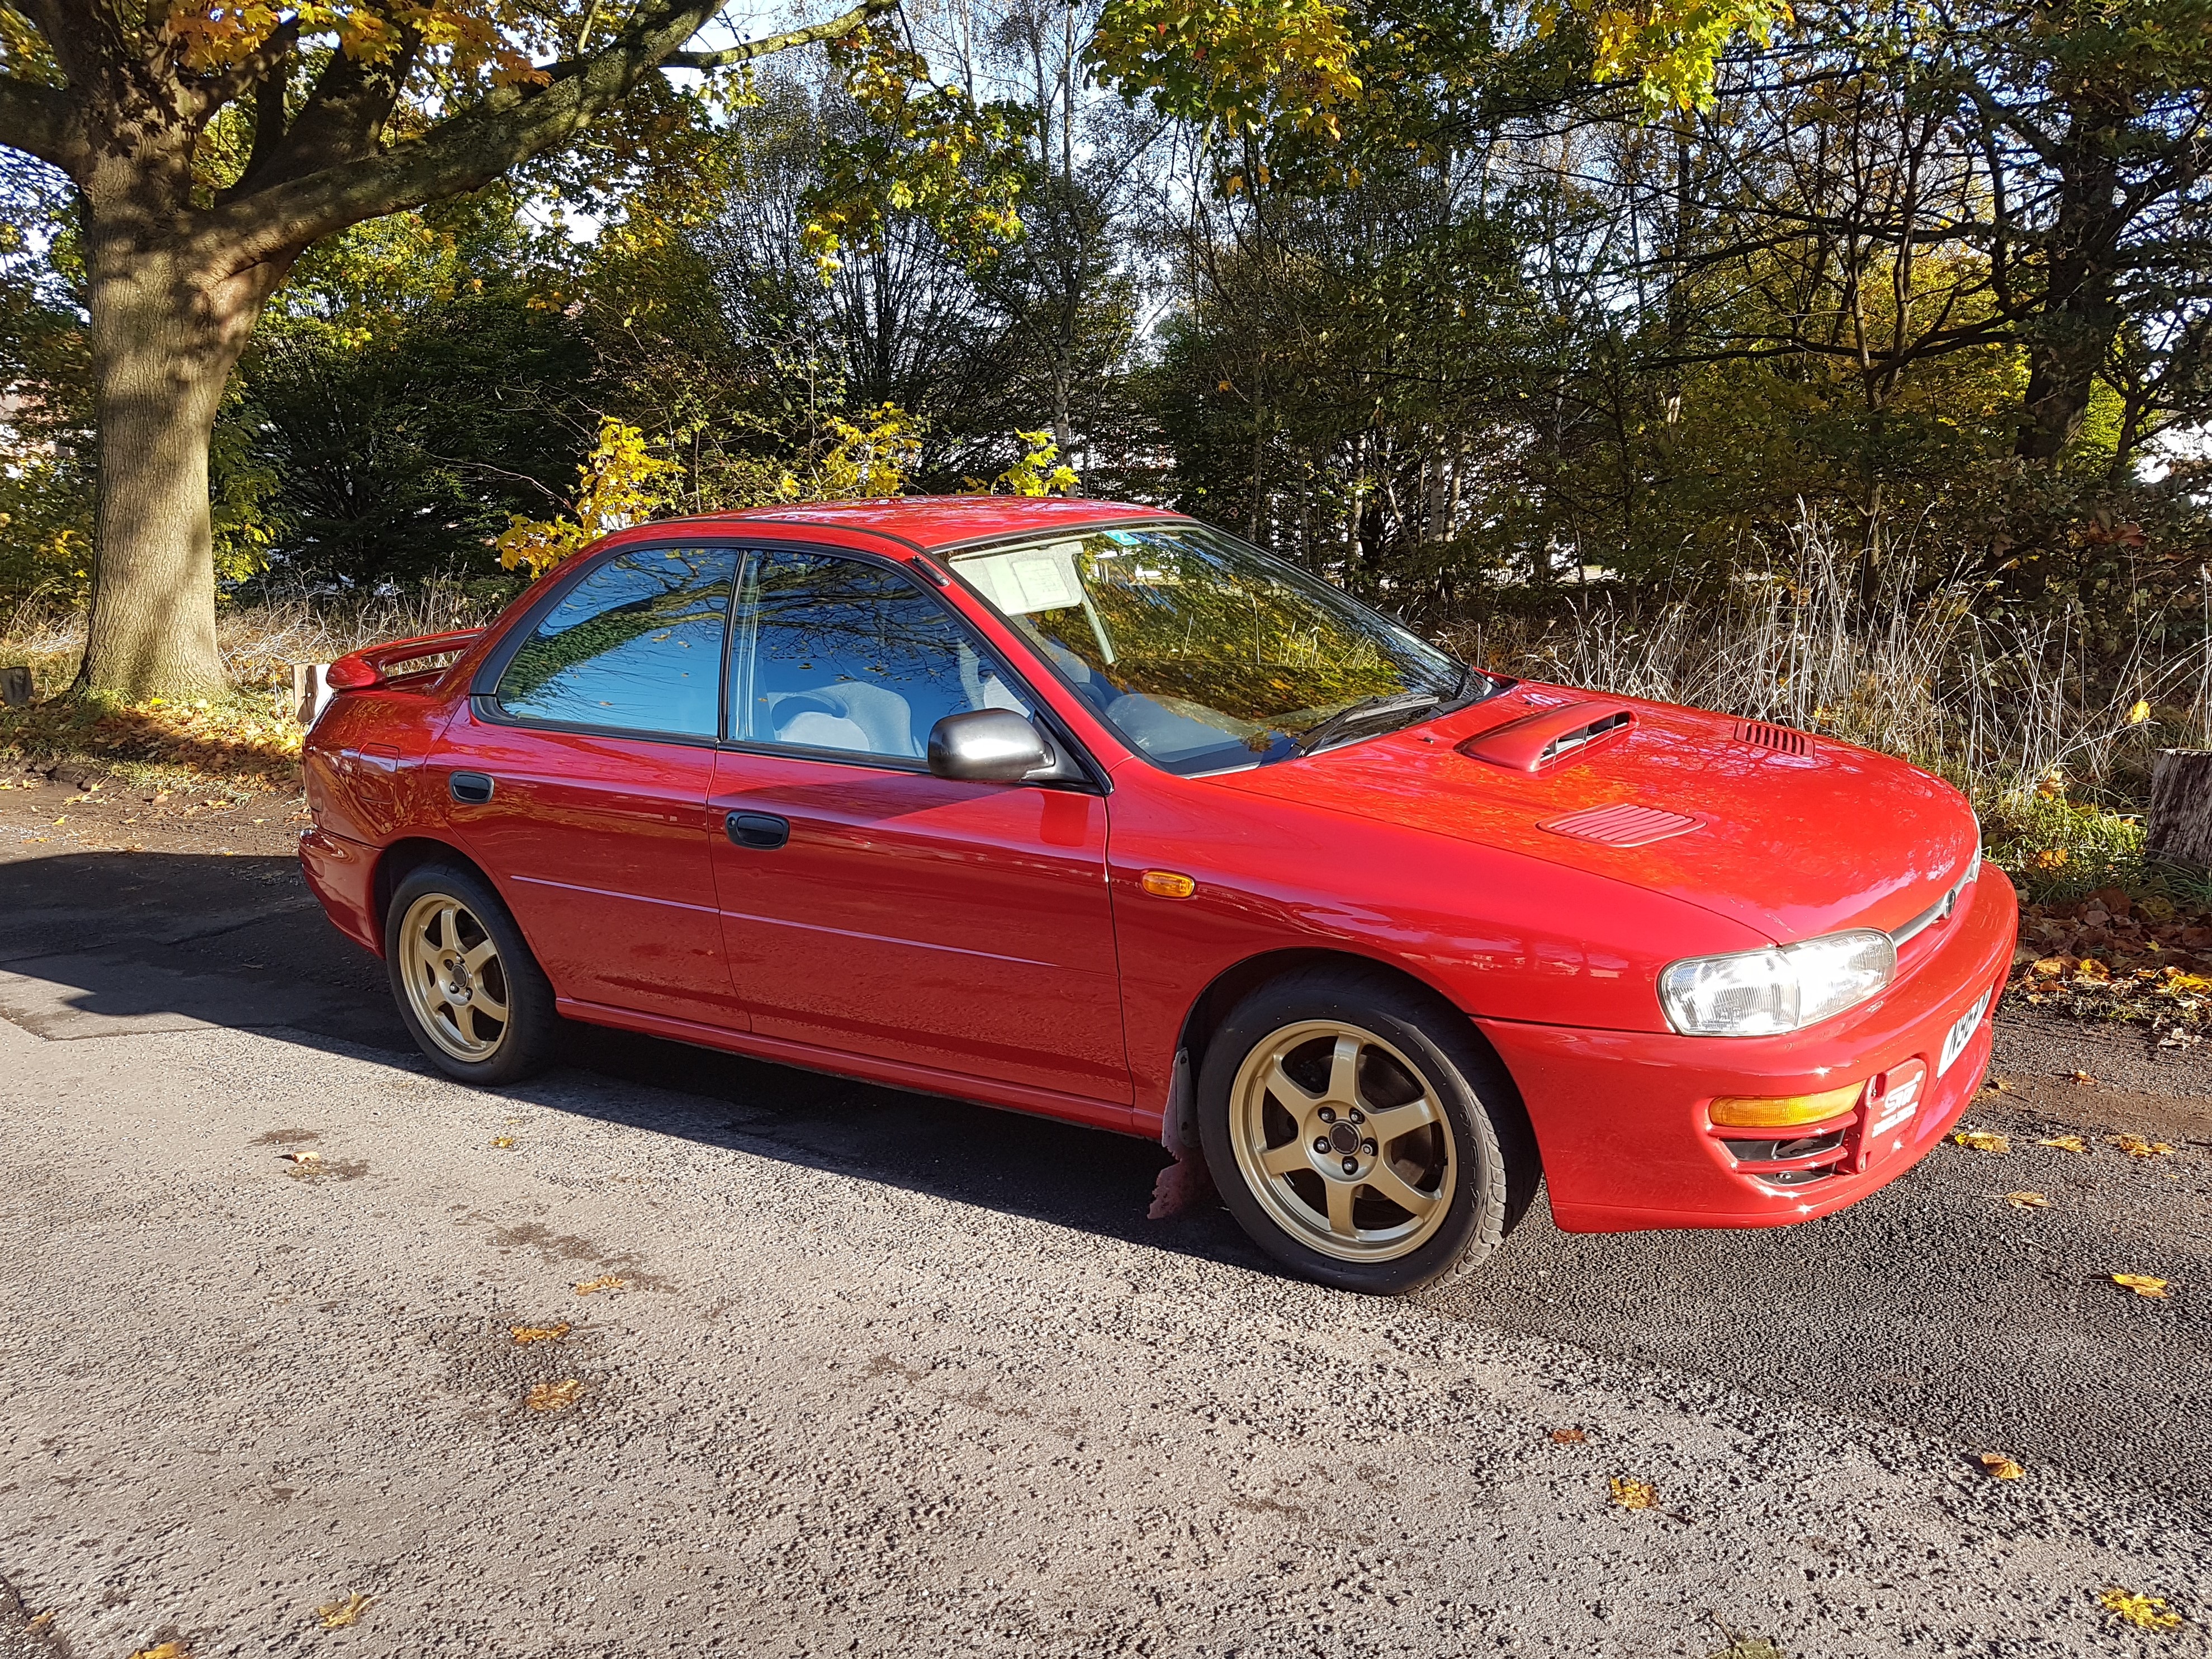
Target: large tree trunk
x,y
2082,312
164,340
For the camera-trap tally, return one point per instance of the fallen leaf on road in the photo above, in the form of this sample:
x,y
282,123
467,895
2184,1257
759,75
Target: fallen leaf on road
x,y
2001,1085
2136,1146
2143,1611
2001,1467
502,1142
2027,1200
526,1334
176,1651
1982,1140
2066,1143
2082,1079
2051,966
1633,1494
2141,1284
304,1158
338,1615
552,1396
1741,1646
1568,1437
589,1286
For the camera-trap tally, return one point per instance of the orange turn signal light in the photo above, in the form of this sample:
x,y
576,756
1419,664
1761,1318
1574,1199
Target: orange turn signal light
x,y
1167,883
1744,1112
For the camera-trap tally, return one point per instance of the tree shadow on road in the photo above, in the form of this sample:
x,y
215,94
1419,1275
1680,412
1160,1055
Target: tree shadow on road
x,y
108,944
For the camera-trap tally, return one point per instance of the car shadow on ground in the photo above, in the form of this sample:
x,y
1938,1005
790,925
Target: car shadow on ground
x,y
104,944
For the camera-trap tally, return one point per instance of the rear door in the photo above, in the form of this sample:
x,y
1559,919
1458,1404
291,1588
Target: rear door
x,y
872,909
581,783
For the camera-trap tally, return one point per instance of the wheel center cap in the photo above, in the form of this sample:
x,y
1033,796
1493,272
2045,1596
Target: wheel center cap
x,y
1344,1138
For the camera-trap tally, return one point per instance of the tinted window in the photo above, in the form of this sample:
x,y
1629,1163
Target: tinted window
x,y
637,644
852,656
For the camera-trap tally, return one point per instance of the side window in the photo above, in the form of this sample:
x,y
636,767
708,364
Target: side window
x,y
635,645
838,654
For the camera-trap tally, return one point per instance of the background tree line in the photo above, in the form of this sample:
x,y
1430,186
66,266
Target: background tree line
x,y
1939,280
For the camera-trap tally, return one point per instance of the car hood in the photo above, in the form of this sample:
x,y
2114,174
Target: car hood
x,y
1791,834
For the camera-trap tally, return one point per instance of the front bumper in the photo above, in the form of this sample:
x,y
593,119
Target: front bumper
x,y
1620,1115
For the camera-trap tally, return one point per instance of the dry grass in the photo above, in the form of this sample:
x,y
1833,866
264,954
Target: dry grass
x,y
2052,744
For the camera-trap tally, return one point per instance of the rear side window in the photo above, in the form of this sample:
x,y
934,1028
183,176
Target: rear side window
x,y
636,646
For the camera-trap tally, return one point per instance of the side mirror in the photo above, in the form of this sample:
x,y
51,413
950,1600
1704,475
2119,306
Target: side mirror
x,y
986,745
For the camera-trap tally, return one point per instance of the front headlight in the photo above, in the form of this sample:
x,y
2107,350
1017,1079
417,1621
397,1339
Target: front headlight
x,y
1780,988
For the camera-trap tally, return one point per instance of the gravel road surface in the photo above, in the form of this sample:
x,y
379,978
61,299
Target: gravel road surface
x,y
855,1372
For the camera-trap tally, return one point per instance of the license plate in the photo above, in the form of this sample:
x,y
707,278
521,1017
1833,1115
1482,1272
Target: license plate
x,y
1960,1035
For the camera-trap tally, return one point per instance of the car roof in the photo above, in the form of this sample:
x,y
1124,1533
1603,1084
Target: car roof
x,y
930,522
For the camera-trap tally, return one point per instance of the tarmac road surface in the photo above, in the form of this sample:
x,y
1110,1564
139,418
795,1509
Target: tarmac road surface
x,y
882,1373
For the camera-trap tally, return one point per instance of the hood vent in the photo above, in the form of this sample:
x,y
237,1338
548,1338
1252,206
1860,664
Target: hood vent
x,y
1535,741
1623,825
1780,739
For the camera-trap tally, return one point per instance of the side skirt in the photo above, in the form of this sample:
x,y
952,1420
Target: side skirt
x,y
920,1079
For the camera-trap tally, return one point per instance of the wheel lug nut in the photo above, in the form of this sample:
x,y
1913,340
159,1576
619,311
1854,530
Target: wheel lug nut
x,y
1368,1147
1321,1143
1326,1115
1352,1166
1359,1116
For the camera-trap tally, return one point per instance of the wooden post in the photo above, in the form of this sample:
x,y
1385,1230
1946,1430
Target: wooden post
x,y
309,693
2179,828
15,687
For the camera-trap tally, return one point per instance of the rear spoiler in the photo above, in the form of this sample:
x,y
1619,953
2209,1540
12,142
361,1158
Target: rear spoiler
x,y
372,666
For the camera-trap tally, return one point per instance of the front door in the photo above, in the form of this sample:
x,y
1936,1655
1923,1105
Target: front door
x,y
584,788
872,909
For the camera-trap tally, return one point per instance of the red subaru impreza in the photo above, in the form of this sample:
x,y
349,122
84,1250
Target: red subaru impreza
x,y
1095,811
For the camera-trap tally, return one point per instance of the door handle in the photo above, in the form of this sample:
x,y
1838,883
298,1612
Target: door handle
x,y
469,788
763,830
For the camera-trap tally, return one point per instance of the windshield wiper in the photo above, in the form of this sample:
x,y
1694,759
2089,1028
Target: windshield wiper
x,y
1360,714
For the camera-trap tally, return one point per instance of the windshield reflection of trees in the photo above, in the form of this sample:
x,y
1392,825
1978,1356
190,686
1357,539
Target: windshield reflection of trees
x,y
1187,627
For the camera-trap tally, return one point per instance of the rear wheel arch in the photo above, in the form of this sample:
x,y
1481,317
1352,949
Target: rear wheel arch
x,y
403,857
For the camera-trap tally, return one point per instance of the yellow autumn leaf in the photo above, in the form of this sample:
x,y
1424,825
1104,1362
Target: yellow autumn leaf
x,y
2143,1611
2027,1200
2136,1146
593,1286
525,1334
500,1143
2140,713
2082,1079
304,1158
1982,1140
2066,1143
1633,1494
2001,1467
338,1615
163,1650
553,1396
2141,1285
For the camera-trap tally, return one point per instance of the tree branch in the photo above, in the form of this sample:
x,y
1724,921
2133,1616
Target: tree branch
x,y
469,150
38,121
746,50
273,54
342,118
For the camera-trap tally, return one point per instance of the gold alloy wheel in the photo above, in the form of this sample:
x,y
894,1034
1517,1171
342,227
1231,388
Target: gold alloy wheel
x,y
456,983
1344,1145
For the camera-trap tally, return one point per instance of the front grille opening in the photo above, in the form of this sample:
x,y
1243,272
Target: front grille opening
x,y
1810,1158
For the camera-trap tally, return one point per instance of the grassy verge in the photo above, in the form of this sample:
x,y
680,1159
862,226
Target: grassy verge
x,y
241,741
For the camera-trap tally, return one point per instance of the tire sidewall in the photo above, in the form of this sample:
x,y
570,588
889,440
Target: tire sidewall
x,y
1475,1218
530,998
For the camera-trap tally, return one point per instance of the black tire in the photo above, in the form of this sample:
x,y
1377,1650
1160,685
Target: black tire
x,y
525,1036
1491,1165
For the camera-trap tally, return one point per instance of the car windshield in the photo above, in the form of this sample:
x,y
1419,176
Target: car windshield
x,y
1206,654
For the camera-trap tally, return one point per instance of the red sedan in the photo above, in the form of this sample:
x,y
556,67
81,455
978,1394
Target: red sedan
x,y
1095,811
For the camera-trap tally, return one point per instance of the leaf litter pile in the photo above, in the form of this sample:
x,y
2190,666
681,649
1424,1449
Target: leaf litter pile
x,y
2108,958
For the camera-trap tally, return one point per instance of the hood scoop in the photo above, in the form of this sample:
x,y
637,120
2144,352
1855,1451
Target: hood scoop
x,y
1623,825
1549,736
